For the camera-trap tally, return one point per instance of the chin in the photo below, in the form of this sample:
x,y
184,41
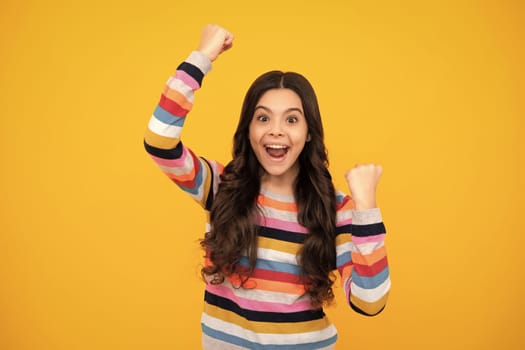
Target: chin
x,y
280,172
271,172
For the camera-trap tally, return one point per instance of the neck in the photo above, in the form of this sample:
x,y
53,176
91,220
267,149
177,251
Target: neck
x,y
280,184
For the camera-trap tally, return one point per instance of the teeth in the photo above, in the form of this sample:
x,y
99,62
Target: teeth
x,y
276,146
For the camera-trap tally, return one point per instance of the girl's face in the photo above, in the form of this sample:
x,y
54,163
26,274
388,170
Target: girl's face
x,y
278,132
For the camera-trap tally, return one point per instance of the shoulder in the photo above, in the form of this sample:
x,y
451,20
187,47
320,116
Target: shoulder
x,y
343,201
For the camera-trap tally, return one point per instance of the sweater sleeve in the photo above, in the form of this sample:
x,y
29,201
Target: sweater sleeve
x,y
196,176
361,257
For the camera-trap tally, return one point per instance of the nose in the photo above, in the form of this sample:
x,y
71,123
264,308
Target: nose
x,y
276,129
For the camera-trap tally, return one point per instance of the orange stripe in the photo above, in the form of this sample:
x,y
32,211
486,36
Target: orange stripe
x,y
178,98
349,205
269,202
271,286
182,177
369,259
347,272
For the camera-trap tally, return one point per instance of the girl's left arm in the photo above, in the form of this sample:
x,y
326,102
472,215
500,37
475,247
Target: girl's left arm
x,y
360,243
361,257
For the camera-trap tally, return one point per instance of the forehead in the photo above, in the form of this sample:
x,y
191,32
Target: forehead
x,y
280,99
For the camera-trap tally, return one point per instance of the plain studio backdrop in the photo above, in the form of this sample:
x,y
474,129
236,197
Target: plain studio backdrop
x,y
98,250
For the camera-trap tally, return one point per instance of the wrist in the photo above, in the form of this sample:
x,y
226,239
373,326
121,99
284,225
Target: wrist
x,y
200,60
365,205
206,53
366,217
365,201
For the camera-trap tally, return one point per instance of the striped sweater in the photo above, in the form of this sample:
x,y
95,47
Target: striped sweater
x,y
272,310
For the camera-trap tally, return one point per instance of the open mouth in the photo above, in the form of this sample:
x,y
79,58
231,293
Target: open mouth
x,y
276,151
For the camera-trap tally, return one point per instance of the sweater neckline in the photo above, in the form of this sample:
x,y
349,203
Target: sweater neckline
x,y
279,197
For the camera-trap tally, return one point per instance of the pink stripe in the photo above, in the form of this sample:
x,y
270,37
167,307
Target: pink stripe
x,y
369,239
255,305
174,163
282,225
187,79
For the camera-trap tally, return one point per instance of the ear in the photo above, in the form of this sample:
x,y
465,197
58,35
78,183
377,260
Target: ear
x,y
308,137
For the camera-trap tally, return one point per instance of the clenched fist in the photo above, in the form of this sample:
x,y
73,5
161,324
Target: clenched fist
x,y
214,41
362,181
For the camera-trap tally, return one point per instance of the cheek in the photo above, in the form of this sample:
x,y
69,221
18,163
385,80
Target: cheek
x,y
255,133
253,137
301,136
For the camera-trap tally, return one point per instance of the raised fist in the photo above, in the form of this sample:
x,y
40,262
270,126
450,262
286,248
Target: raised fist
x,y
214,41
362,181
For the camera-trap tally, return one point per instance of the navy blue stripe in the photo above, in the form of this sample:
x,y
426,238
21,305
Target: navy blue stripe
x,y
192,70
174,153
343,229
281,235
368,230
262,316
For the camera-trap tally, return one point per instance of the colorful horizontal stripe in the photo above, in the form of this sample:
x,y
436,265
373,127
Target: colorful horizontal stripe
x,y
271,310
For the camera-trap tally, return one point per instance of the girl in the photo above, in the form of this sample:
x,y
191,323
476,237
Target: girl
x,y
277,229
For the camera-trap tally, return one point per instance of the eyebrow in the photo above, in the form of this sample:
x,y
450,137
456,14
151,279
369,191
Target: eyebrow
x,y
286,111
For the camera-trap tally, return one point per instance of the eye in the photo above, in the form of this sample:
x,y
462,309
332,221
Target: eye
x,y
292,120
262,118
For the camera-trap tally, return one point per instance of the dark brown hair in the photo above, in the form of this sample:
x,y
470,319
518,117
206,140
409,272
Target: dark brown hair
x,y
233,230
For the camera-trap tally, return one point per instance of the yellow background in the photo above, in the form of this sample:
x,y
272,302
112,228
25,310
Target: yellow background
x,y
98,250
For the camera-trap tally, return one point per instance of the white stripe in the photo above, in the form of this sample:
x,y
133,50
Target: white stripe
x,y
209,343
216,177
268,338
279,197
344,215
200,193
198,196
265,296
275,255
162,129
344,248
367,248
179,86
200,60
371,295
179,170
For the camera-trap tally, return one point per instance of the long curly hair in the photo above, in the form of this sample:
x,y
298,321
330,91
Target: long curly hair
x,y
233,230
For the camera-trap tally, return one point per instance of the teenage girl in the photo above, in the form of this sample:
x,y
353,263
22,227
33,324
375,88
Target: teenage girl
x,y
277,229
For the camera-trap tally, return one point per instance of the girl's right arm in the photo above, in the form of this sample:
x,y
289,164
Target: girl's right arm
x,y
162,138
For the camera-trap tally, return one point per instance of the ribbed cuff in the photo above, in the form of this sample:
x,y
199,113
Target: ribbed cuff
x,y
200,60
366,217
